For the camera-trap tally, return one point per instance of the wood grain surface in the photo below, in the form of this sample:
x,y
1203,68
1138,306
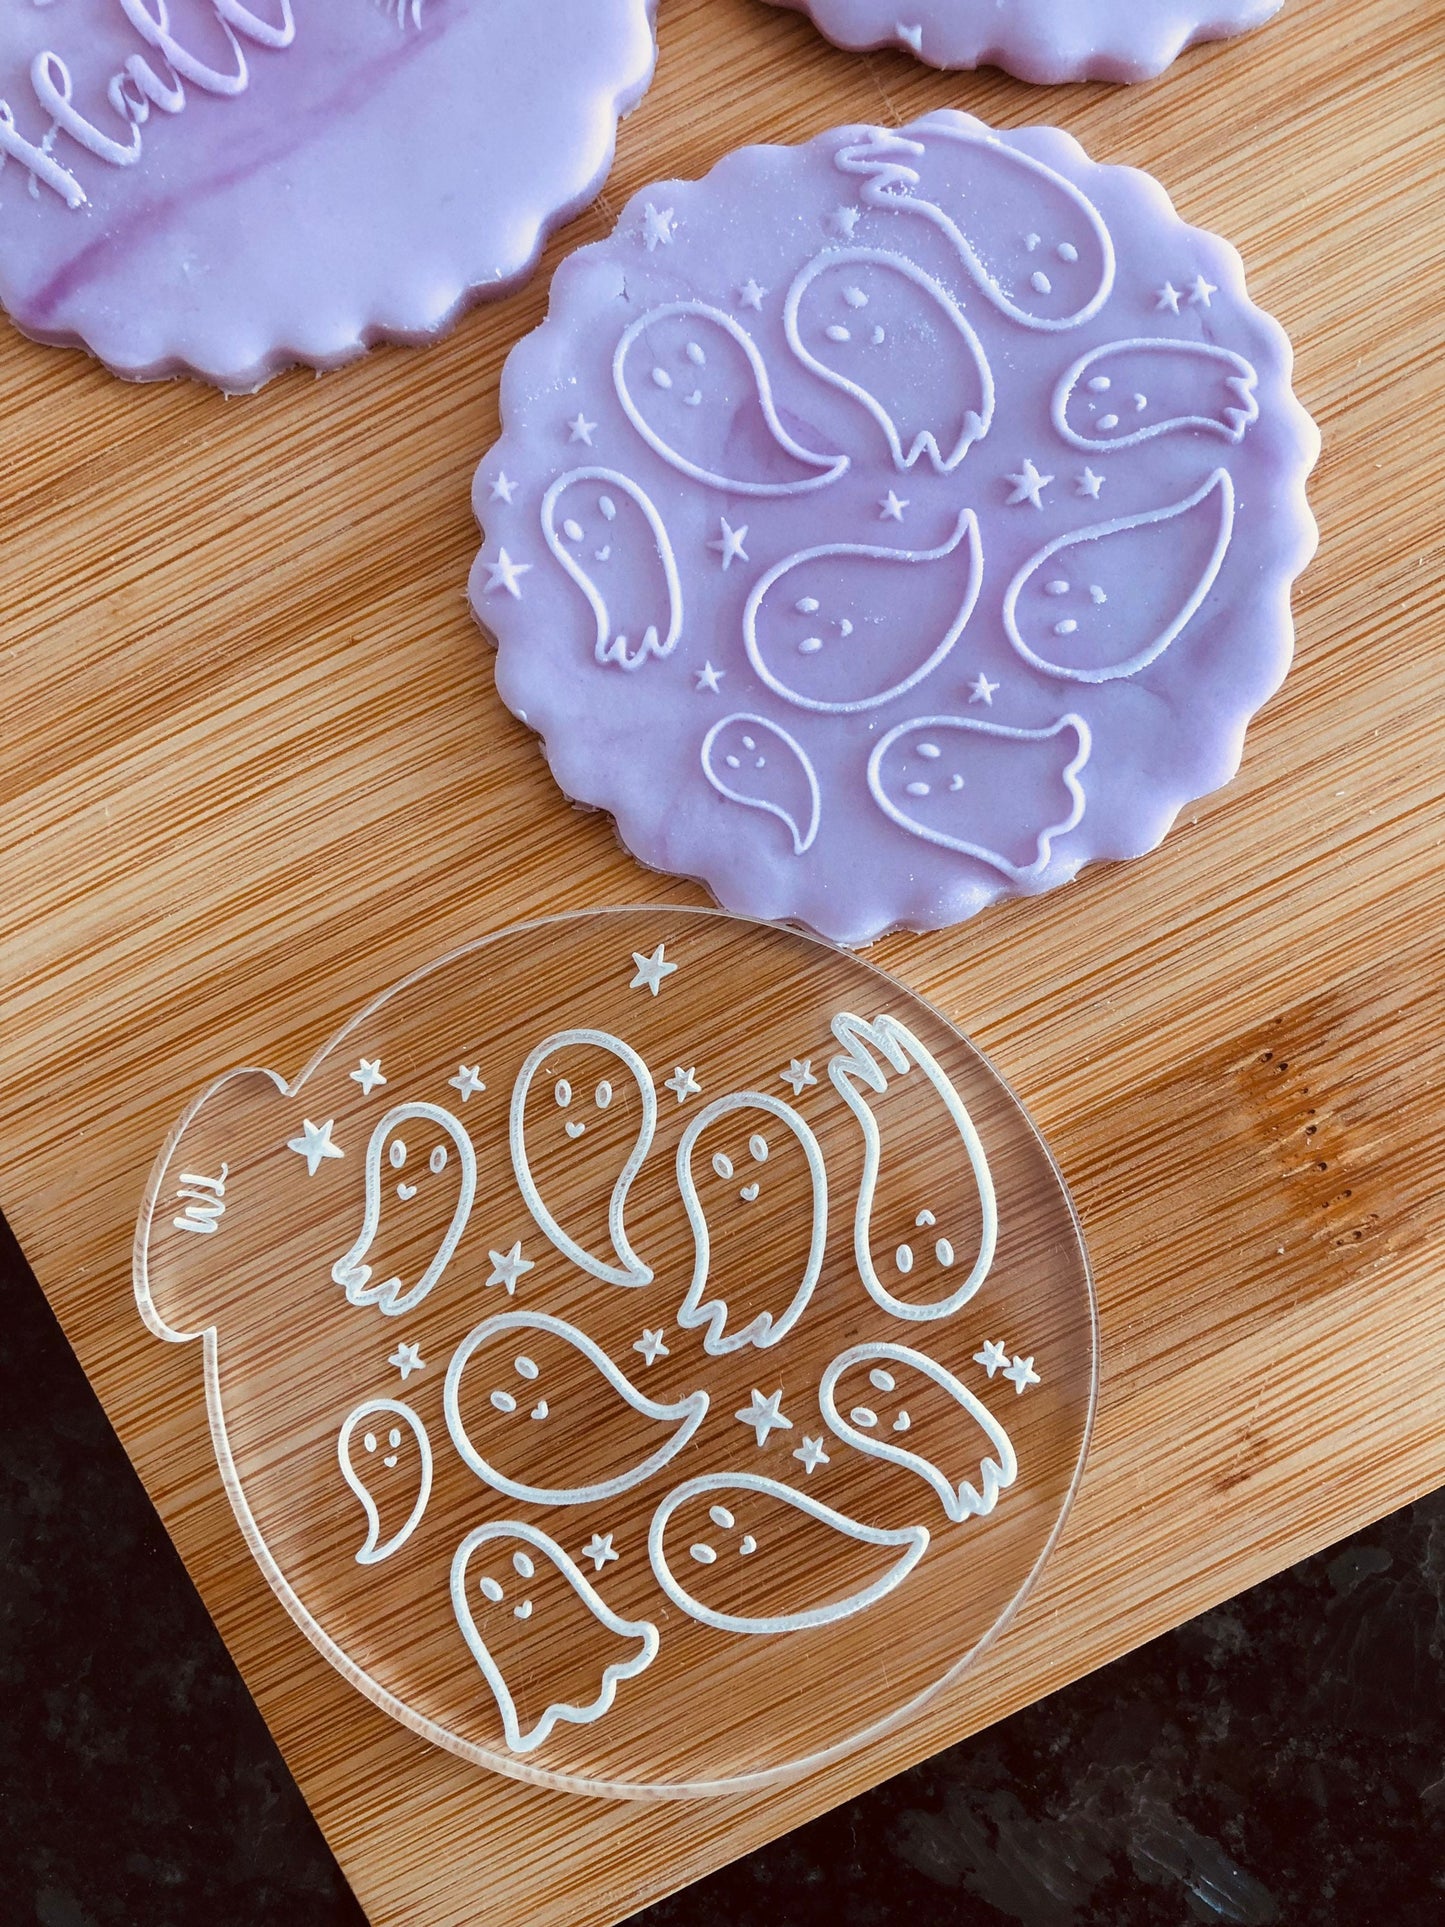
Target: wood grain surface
x,y
253,769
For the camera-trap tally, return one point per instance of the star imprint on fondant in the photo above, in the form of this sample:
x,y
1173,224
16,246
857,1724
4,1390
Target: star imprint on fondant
x,y
407,1359
467,1080
368,1075
810,1454
799,1074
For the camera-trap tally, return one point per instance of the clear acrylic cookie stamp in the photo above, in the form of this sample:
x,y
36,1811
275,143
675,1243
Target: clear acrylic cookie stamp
x,y
648,1353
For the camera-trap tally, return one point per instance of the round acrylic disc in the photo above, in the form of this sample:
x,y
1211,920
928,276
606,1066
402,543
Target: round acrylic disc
x,y
648,1352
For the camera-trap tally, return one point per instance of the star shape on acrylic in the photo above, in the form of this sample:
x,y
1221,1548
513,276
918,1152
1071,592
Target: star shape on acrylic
x,y
508,1266
1022,1373
1167,298
314,1144
684,1083
1028,485
506,574
658,224
579,429
503,489
651,1347
799,1074
845,220
1088,485
891,508
651,970
1200,292
764,1416
750,295
729,545
993,1357
981,690
708,679
407,1359
467,1080
599,1550
368,1075
810,1454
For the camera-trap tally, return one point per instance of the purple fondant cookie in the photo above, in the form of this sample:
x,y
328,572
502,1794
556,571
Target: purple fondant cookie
x,y
887,525
1046,41
219,188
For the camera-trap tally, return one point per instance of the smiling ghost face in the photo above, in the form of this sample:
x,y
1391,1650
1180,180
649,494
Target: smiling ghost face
x,y
583,1114
753,1183
420,1184
385,1457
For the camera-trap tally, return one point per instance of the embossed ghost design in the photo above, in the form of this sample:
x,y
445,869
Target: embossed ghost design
x,y
529,1396
1128,392
1107,601
829,628
547,1643
941,777
753,1181
890,335
927,1272
893,1402
697,390
609,537
385,1457
752,760
419,1193
1039,250
747,1554
583,1113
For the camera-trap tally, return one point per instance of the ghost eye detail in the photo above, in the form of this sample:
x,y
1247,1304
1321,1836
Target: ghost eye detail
x,y
603,1095
562,1091
396,1155
722,1164
758,1146
437,1162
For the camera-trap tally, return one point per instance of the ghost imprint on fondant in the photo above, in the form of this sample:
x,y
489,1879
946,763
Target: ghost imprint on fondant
x,y
1120,394
392,1297
850,345
893,171
863,1429
401,1429
614,550
731,1494
498,1337
1168,559
704,1308
936,780
737,750
802,651
492,1593
629,1268
870,1051
716,360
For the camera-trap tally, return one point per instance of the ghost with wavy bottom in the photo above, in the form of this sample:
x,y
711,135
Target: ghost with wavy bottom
x,y
509,1581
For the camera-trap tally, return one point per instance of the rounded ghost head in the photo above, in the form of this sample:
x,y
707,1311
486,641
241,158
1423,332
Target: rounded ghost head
x,y
583,1115
744,1166
385,1457
419,1163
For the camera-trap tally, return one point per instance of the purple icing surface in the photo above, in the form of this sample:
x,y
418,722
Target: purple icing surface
x,y
890,524
1045,41
242,188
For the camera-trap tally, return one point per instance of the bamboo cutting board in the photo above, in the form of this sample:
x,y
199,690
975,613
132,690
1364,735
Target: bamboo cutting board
x,y
254,770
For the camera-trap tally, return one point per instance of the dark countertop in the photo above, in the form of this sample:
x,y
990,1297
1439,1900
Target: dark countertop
x,y
1281,1759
